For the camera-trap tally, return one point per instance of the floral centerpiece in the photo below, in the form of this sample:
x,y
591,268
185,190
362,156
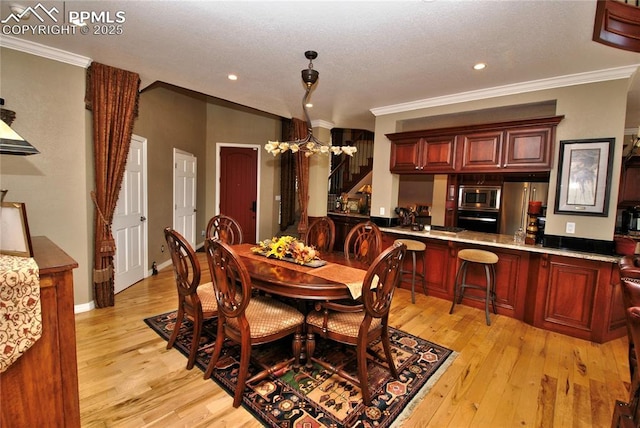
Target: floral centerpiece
x,y
287,247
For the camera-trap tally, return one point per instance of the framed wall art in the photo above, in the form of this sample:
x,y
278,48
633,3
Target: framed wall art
x,y
15,239
584,177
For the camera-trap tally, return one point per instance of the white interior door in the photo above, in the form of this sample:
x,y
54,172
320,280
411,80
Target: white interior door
x,y
184,194
129,221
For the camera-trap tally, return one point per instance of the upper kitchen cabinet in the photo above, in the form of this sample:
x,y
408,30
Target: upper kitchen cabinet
x,y
432,155
480,151
505,147
630,183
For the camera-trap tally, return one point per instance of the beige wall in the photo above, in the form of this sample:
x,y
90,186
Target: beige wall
x,y
231,124
48,98
594,110
170,118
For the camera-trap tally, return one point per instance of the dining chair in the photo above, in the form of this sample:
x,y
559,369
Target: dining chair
x,y
348,325
321,234
246,319
225,228
196,301
363,242
629,267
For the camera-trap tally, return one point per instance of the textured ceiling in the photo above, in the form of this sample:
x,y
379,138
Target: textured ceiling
x,y
371,55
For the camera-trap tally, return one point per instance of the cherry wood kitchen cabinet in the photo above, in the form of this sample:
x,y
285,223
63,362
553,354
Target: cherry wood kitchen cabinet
x,y
513,150
432,155
529,149
480,151
580,298
629,194
553,289
516,146
40,389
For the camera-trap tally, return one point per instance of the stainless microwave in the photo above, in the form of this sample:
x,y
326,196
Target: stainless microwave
x,y
479,198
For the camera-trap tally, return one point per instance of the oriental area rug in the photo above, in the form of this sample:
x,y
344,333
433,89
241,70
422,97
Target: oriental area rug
x,y
315,397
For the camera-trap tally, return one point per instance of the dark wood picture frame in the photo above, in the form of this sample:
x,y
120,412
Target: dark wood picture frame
x,y
15,239
584,177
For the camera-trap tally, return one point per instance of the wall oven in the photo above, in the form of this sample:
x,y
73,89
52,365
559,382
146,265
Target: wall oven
x,y
479,208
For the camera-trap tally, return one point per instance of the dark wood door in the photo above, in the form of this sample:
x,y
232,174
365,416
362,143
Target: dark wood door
x,y
238,188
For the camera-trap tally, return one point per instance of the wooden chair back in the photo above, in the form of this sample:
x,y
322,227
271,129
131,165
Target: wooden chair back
x,y
231,280
321,234
195,300
381,280
363,242
185,265
224,228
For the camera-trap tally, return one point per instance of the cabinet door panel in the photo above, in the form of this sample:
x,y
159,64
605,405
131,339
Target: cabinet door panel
x,y
438,275
405,156
438,154
481,151
630,185
570,289
528,149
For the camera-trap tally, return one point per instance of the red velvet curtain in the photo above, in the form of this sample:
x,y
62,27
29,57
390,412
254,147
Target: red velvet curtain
x,y
112,96
300,130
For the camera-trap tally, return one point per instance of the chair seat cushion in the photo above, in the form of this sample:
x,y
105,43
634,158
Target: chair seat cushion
x,y
207,298
345,323
268,316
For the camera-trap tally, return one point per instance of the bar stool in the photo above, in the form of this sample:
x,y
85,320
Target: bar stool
x,y
414,247
486,259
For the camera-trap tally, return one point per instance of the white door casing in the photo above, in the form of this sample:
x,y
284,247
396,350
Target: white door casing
x,y
129,226
184,194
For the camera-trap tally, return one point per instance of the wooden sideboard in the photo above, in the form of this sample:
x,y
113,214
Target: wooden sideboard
x,y
40,389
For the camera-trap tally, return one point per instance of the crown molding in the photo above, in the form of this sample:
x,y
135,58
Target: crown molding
x,y
517,88
44,51
322,124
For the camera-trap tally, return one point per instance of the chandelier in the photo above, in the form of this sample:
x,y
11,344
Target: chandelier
x,y
309,145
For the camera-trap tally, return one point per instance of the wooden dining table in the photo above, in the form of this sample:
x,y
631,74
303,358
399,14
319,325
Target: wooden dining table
x,y
337,279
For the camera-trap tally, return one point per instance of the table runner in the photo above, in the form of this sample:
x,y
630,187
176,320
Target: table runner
x,y
20,315
349,276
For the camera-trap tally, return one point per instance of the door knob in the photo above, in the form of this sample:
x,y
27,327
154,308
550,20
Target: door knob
x,y
143,218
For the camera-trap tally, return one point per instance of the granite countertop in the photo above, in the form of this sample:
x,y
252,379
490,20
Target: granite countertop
x,y
496,240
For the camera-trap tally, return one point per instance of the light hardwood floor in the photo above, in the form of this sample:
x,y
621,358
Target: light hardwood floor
x,y
505,375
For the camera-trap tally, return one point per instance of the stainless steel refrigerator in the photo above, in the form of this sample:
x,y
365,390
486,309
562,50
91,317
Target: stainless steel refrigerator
x,y
515,200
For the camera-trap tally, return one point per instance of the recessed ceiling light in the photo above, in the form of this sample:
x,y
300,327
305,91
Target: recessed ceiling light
x,y
479,66
232,77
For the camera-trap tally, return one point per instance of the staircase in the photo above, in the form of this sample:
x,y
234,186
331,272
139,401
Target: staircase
x,y
347,171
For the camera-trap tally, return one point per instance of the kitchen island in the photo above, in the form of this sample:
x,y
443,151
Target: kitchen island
x,y
565,291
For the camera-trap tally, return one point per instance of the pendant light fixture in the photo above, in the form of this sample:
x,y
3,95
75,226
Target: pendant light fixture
x,y
310,144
